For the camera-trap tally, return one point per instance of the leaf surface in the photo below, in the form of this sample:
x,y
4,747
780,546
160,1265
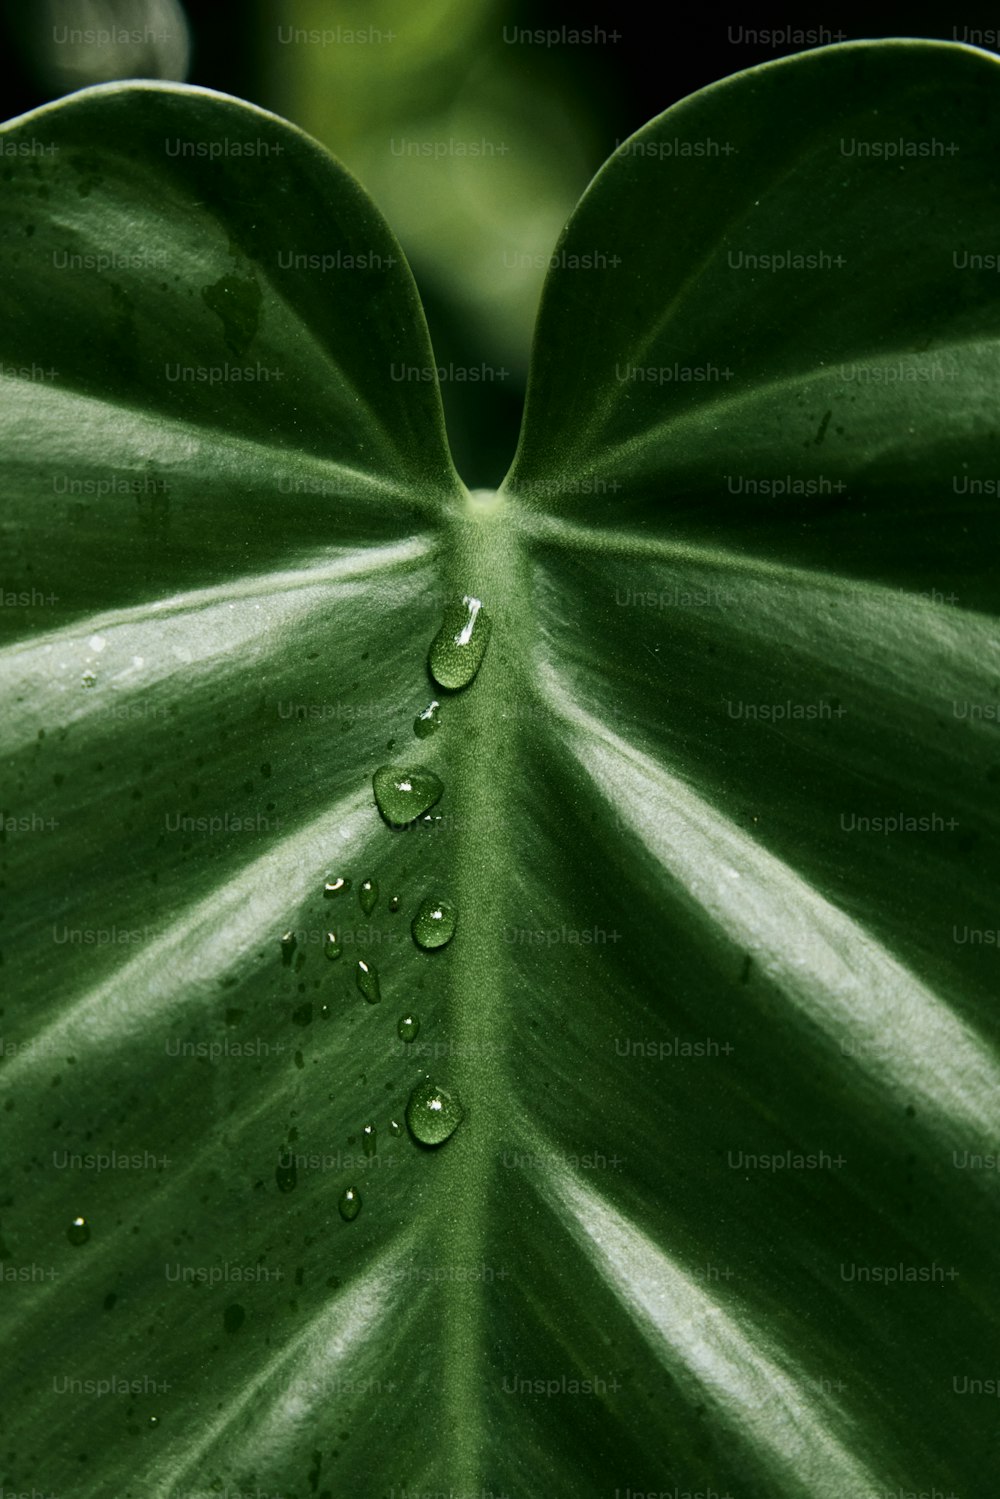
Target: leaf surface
x,y
727,1051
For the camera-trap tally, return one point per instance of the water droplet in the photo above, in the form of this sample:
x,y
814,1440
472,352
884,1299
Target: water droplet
x,y
234,1317
350,1204
154,1421
288,948
404,795
369,1140
337,886
78,1231
286,1173
303,1013
88,679
368,896
395,1128
407,1027
394,903
367,977
427,722
458,648
432,1113
434,923
332,946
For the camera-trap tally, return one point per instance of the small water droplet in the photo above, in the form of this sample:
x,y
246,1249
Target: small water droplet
x,y
458,648
336,886
234,1317
369,1141
394,903
332,946
368,896
367,977
429,721
88,679
407,1027
286,1173
154,1421
433,1113
395,1128
434,923
78,1231
404,795
288,948
350,1204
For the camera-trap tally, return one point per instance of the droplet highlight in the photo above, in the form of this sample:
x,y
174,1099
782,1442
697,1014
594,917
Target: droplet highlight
x,y
367,980
336,886
404,795
433,1113
350,1204
434,923
408,1027
429,721
78,1231
458,648
368,896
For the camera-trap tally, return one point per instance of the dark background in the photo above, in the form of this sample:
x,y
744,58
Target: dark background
x,y
634,78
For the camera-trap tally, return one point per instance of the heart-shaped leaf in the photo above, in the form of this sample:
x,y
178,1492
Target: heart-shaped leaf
x,y
669,1170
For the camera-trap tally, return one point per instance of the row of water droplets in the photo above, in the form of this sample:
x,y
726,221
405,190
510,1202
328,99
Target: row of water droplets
x,y
404,794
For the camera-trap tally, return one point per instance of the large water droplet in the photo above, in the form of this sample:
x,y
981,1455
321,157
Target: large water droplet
x,y
404,795
432,1113
369,1139
332,946
458,648
336,886
368,896
434,923
407,1027
78,1231
350,1204
427,722
367,976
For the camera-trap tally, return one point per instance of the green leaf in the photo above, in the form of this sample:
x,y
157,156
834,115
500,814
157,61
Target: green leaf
x,y
721,1055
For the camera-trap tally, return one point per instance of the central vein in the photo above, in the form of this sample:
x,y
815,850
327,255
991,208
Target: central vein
x,y
484,560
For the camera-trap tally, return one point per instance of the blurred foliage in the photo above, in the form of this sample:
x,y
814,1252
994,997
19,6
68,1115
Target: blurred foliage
x,y
70,44
473,151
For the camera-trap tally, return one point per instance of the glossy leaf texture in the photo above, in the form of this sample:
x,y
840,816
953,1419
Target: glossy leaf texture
x,y
718,824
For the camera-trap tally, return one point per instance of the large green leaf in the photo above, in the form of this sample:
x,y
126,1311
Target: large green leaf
x,y
719,1217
